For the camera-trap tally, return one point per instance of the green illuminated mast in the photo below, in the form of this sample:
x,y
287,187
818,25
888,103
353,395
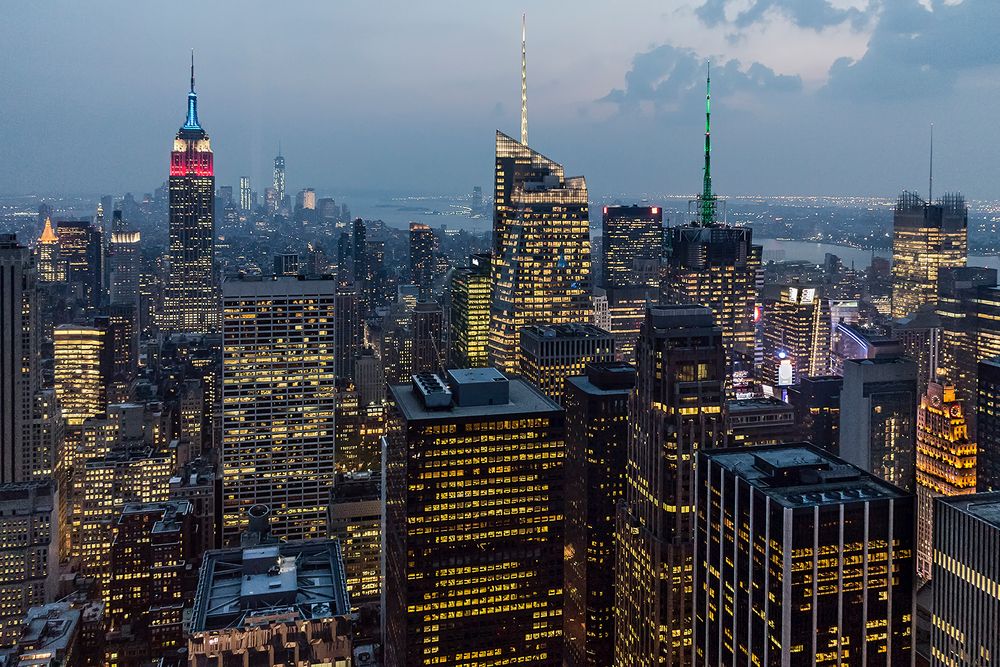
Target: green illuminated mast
x,y
706,201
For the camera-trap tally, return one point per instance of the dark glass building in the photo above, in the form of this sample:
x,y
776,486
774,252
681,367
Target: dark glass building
x,y
817,410
675,410
988,426
474,522
423,249
597,433
800,559
81,255
632,238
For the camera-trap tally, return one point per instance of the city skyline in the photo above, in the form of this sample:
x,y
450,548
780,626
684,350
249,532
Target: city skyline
x,y
784,89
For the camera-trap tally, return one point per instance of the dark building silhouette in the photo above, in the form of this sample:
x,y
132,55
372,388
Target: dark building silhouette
x,y
817,410
988,426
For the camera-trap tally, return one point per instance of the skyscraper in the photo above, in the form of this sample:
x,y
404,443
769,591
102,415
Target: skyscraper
x,y
715,265
926,237
27,518
80,255
191,299
551,354
817,410
428,343
82,369
423,248
349,328
597,433
966,589
988,426
126,263
675,411
469,321
246,196
50,268
541,259
279,178
632,239
880,395
946,461
20,376
796,336
278,387
800,559
355,520
474,558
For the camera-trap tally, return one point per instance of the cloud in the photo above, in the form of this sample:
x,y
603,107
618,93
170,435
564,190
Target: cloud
x,y
814,14
667,76
919,49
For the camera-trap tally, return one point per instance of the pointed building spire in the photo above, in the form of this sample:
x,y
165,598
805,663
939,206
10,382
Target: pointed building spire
x,y
707,200
524,84
48,235
930,178
191,122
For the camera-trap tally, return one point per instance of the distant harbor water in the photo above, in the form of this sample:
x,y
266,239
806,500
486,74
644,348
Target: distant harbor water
x,y
783,250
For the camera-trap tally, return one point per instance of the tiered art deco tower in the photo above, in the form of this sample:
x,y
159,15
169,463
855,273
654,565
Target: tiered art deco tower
x,y
191,301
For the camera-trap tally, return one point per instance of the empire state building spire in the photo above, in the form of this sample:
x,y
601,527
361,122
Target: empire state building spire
x,y
191,122
524,85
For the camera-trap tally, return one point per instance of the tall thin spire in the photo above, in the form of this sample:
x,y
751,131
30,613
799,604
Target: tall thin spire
x,y
191,122
706,201
524,84
930,178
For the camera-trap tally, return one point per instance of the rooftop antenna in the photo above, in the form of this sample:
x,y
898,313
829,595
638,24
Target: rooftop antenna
x,y
930,180
524,84
192,70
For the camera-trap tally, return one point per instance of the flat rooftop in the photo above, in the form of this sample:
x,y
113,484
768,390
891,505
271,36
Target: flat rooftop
x,y
801,475
984,506
758,403
281,583
569,330
524,399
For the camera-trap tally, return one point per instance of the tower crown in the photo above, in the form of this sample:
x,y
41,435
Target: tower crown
x,y
191,123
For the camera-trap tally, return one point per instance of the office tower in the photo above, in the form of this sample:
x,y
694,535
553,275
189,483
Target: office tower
x,y
191,298
278,385
396,352
946,461
926,237
286,264
82,369
327,209
540,272
347,417
632,238
880,395
423,248
50,267
370,378
920,336
362,267
195,484
428,340
80,255
596,436
759,420
279,178
121,340
245,194
349,330
675,411
715,265
477,200
551,353
26,523
354,519
469,320
20,375
102,486
816,401
966,589
800,559
126,262
479,530
988,425
850,341
276,604
152,557
969,306
796,336
626,311
306,199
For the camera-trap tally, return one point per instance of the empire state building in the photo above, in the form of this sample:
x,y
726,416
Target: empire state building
x,y
191,301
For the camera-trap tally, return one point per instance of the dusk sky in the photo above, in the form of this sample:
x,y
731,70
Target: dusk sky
x,y
809,96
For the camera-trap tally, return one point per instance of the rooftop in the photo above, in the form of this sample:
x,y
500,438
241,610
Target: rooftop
x,y
48,629
522,398
275,583
984,506
606,379
570,330
801,475
757,403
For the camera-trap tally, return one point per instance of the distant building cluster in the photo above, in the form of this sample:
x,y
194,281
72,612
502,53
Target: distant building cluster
x,y
242,428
